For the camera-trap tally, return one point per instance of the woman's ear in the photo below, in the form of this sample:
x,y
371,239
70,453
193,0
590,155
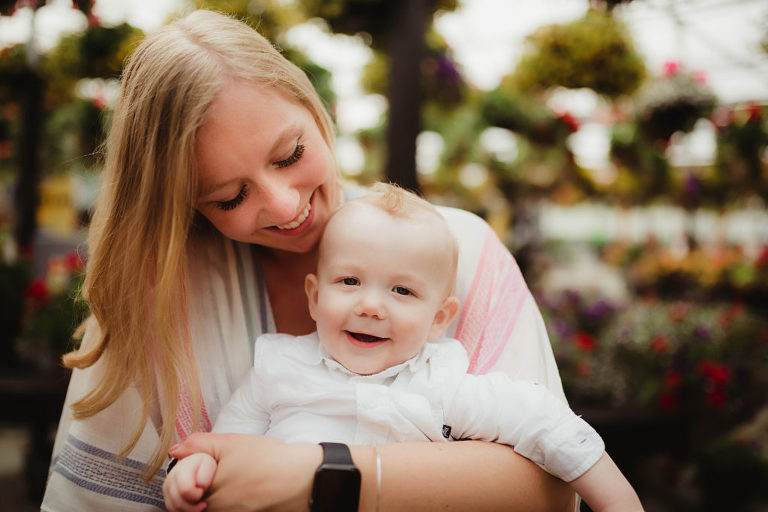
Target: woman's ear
x,y
444,317
310,287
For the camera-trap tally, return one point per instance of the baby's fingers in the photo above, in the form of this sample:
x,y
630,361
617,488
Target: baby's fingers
x,y
206,472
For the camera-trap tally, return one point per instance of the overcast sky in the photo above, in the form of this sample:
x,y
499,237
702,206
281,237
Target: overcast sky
x,y
719,37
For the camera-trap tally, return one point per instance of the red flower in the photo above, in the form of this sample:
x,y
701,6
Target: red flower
x,y
679,311
672,379
729,315
755,112
717,374
569,121
73,261
583,369
5,148
716,397
762,259
667,400
93,20
659,344
99,102
36,292
585,342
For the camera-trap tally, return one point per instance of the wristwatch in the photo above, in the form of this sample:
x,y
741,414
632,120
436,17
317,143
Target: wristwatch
x,y
337,481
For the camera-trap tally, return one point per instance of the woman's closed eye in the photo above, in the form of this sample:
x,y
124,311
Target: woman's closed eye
x,y
234,202
295,157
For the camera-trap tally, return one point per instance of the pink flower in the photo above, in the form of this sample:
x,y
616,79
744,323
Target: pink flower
x,y
671,68
700,77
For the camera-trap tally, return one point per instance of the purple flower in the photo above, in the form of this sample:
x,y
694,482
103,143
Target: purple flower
x,y
701,332
599,309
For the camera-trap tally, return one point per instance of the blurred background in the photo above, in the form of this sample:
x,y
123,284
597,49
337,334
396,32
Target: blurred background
x,y
619,149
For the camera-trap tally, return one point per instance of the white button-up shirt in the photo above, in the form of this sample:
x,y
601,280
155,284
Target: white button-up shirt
x,y
297,393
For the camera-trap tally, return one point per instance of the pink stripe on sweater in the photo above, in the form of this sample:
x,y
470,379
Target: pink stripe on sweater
x,y
492,305
185,417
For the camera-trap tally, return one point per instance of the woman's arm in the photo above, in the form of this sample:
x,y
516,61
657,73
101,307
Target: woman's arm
x,y
258,473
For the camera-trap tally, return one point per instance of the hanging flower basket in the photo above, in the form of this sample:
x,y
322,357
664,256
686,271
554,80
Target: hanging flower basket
x,y
594,51
673,102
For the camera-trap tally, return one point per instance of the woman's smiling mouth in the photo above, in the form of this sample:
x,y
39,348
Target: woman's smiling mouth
x,y
299,220
298,225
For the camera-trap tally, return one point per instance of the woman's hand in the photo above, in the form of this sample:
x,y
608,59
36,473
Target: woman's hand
x,y
255,472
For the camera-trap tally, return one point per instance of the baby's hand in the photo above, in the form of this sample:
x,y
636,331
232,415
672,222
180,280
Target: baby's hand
x,y
187,482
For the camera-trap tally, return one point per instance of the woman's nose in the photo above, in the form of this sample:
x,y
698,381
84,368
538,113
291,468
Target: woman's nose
x,y
280,202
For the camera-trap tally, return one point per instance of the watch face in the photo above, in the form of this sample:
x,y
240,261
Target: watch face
x,y
336,489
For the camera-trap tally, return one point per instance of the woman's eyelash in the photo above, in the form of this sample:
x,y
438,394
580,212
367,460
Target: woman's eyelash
x,y
234,202
295,157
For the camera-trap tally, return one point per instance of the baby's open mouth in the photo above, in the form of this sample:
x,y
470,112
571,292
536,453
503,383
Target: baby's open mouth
x,y
365,338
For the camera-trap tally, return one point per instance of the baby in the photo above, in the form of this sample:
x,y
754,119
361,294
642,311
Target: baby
x,y
376,371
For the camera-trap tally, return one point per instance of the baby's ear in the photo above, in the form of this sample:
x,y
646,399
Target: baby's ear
x,y
444,317
310,287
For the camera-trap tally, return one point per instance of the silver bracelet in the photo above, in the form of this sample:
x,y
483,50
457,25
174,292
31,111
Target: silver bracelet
x,y
378,478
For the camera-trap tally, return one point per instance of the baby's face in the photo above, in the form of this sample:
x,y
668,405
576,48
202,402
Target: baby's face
x,y
381,289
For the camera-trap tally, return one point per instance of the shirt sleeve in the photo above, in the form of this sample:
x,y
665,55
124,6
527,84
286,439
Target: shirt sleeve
x,y
528,417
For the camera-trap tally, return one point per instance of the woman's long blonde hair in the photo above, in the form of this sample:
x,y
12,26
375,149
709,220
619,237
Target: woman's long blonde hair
x,y
143,220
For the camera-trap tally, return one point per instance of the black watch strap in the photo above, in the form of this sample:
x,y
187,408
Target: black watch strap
x,y
336,487
336,453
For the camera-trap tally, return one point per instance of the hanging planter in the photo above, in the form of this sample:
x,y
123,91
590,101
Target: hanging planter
x,y
673,102
594,51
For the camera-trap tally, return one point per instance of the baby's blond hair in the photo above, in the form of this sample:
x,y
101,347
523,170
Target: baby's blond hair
x,y
403,204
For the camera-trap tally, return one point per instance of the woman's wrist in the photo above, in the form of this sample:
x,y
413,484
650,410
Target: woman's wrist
x,y
467,475
365,460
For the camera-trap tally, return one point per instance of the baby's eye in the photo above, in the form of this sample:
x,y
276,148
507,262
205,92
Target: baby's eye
x,y
351,281
402,290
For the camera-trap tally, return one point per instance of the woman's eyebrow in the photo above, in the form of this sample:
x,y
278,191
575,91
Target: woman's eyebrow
x,y
292,132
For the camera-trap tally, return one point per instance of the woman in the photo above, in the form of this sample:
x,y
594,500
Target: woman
x,y
219,179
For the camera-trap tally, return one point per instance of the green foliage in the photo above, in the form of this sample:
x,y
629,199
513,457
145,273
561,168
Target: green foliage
x,y
13,67
53,308
98,52
270,17
594,51
374,17
742,142
14,279
318,75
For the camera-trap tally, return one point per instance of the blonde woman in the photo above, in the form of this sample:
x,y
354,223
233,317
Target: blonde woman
x,y
219,179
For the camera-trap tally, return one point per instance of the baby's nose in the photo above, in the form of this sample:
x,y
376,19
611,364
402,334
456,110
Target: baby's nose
x,y
370,304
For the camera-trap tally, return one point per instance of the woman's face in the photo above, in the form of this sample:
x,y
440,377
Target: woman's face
x,y
266,175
